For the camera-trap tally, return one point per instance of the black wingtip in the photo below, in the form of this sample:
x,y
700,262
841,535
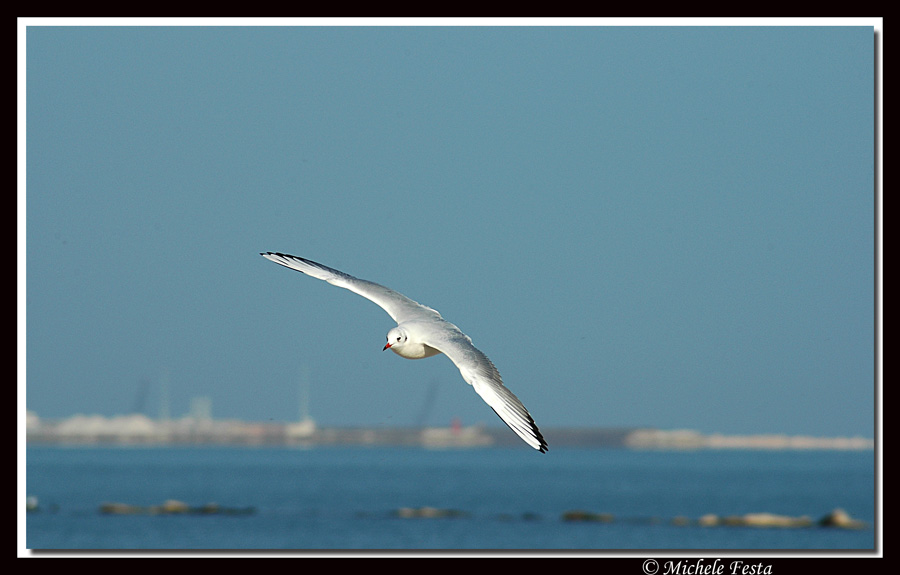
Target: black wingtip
x,y
281,255
539,436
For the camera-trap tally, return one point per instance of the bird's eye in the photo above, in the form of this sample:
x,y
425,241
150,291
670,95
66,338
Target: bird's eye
x,y
398,338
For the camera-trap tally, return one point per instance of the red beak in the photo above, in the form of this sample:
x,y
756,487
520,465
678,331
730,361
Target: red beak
x,y
387,345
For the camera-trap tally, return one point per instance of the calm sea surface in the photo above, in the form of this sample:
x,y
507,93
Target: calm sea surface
x,y
348,498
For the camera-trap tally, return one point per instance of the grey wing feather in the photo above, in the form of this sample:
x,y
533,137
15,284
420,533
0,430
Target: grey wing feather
x,y
397,305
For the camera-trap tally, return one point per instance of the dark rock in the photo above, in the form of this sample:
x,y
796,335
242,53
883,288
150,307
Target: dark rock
x,y
579,515
427,513
841,519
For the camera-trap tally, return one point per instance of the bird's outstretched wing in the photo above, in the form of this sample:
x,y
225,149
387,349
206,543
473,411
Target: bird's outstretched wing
x,y
397,305
479,372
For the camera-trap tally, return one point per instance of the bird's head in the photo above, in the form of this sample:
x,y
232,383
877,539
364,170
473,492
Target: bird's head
x,y
395,338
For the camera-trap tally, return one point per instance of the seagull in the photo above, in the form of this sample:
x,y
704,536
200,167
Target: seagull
x,y
422,332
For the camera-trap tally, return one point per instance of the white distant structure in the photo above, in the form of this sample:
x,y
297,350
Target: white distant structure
x,y
455,436
132,428
692,439
302,429
306,427
32,421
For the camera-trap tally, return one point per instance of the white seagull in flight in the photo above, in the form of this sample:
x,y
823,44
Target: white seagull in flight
x,y
422,332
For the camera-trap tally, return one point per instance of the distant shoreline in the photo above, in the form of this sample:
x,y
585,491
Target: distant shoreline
x,y
138,429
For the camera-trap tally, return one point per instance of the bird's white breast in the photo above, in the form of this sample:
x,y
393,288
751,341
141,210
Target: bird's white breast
x,y
415,350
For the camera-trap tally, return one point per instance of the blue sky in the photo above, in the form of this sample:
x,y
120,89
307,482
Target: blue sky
x,y
661,226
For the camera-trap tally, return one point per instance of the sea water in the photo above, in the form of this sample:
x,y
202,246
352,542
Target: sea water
x,y
494,499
